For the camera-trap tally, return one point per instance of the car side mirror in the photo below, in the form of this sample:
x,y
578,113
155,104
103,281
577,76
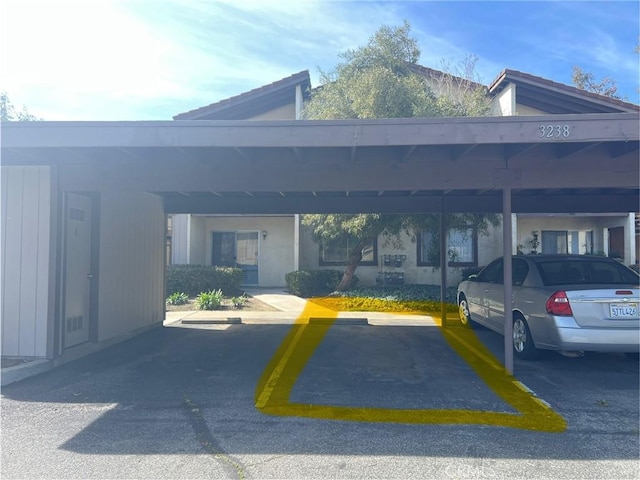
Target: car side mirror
x,y
472,277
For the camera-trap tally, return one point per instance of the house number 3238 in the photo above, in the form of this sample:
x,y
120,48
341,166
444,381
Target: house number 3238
x,y
554,131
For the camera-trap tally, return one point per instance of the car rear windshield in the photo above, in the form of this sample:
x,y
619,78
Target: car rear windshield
x,y
568,272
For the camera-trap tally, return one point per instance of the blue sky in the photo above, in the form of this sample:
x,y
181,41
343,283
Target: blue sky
x,y
152,59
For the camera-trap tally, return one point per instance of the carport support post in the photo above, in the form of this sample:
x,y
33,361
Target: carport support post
x,y
507,279
443,267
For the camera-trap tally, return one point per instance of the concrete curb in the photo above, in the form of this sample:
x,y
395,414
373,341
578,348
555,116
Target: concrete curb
x,y
212,321
20,372
338,321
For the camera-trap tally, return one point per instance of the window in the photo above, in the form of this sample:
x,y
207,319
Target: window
x,y
589,271
563,241
336,252
519,270
493,273
463,248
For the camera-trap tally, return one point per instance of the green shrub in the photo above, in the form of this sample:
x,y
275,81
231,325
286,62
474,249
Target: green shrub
x,y
193,279
211,300
239,302
177,298
407,293
310,283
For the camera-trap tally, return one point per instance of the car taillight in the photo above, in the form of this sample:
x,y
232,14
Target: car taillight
x,y
558,304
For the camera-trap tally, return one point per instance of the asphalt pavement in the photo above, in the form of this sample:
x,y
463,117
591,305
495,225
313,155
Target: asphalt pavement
x,y
180,401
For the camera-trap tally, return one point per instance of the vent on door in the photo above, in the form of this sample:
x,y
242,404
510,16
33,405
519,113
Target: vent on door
x,y
74,323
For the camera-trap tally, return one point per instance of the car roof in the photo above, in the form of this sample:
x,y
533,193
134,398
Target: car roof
x,y
578,258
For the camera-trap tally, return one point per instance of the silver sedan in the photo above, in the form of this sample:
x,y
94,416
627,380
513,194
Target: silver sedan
x,y
570,303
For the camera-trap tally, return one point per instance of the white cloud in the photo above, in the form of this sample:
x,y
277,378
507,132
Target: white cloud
x,y
100,59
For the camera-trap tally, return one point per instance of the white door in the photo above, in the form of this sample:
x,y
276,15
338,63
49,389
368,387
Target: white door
x,y
77,270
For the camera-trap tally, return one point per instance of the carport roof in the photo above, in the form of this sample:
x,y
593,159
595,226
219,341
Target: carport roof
x,y
551,163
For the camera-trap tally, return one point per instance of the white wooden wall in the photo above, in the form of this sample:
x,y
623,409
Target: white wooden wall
x,y
180,239
25,234
132,257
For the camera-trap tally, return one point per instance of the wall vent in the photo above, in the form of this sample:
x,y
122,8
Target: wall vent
x,y
74,323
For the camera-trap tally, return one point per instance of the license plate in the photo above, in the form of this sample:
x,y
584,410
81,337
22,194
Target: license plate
x,y
623,310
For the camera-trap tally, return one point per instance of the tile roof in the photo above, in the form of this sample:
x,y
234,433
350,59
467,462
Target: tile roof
x,y
273,89
432,73
514,76
535,91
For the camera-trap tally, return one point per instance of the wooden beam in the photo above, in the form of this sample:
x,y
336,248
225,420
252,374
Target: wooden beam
x,y
408,151
513,150
587,202
574,171
242,154
568,150
316,134
458,151
618,149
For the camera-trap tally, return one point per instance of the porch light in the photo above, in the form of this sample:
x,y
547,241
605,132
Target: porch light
x,y
264,234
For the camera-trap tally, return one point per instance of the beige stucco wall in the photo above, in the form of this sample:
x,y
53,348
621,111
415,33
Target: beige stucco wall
x,y
25,235
504,104
489,247
275,252
197,247
524,110
131,263
286,112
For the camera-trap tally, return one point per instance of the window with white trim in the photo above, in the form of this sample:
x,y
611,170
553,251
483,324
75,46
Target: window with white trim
x,y
336,252
462,248
577,242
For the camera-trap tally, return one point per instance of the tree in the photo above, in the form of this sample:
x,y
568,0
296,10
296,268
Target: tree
x,y
382,80
8,111
586,81
363,228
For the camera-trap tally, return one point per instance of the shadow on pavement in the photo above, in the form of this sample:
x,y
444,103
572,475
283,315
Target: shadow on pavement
x,y
158,392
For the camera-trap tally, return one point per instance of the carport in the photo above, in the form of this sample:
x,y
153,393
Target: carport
x,y
585,163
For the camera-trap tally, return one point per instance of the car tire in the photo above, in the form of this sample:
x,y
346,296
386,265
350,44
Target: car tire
x,y
463,312
523,346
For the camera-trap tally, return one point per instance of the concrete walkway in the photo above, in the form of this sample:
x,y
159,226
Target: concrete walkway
x,y
289,307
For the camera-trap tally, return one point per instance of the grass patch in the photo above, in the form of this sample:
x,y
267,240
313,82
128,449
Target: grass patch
x,y
399,298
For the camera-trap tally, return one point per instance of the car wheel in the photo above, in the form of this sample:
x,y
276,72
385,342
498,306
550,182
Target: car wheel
x,y
463,312
523,345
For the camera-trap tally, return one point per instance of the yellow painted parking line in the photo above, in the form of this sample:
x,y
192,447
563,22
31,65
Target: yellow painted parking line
x,y
275,375
282,372
279,377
